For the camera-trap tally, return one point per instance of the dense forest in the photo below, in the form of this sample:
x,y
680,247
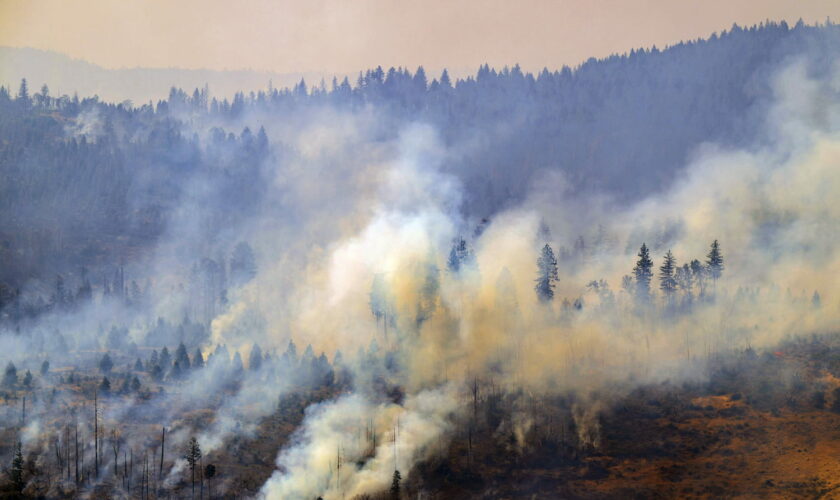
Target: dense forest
x,y
87,183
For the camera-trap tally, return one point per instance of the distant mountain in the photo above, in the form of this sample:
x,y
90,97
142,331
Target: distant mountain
x,y
65,75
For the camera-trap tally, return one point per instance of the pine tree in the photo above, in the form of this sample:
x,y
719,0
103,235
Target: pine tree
x,y
192,456
667,281
105,364
643,273
181,357
714,261
198,358
698,274
16,470
237,363
10,375
165,359
23,92
395,485
685,282
209,473
429,292
546,274
255,358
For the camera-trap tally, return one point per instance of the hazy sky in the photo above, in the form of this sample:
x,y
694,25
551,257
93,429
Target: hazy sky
x,y
345,36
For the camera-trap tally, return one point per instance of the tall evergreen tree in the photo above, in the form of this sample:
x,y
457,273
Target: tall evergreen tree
x,y
16,470
23,92
395,485
198,358
255,358
429,292
165,359
181,357
643,273
10,375
667,280
105,364
546,274
685,282
192,456
714,261
698,274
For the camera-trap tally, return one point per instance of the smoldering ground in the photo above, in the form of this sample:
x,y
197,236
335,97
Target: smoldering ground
x,y
771,206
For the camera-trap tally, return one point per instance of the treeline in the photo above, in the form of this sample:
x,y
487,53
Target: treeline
x,y
679,285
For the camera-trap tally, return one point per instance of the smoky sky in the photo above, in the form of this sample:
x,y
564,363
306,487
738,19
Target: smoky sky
x,y
343,37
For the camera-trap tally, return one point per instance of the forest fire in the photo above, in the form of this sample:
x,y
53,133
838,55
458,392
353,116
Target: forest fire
x,y
396,290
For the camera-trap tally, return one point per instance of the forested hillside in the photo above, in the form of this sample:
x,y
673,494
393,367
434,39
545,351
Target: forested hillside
x,y
85,183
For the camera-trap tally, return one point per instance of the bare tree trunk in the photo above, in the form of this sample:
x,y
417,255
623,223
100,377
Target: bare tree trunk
x,y
162,444
95,434
77,453
67,449
130,471
58,464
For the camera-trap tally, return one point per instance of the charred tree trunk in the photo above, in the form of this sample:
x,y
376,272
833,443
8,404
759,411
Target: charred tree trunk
x,y
95,434
77,453
162,444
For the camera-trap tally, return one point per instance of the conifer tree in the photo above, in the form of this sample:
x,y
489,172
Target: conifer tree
x,y
192,456
23,92
10,375
643,273
667,280
165,359
16,470
698,274
181,357
816,301
198,358
546,274
714,262
395,485
105,364
255,358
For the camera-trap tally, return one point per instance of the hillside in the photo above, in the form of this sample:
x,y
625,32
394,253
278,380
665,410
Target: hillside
x,y
624,126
